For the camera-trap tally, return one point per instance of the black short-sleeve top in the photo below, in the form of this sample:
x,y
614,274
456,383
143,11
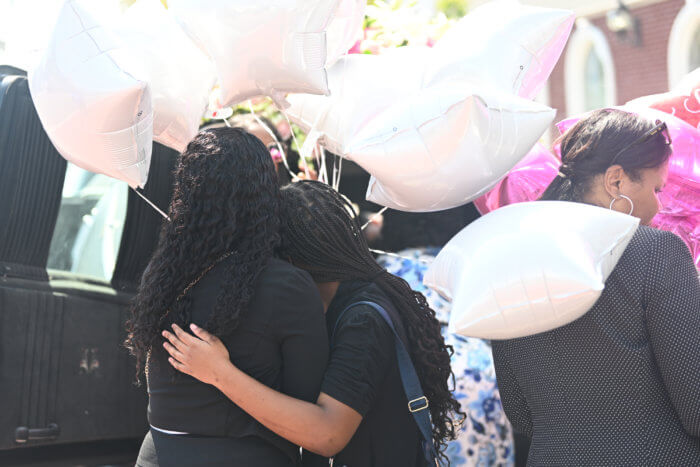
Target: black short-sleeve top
x,y
281,341
363,374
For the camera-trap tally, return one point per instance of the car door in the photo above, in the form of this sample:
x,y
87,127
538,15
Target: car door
x,y
73,246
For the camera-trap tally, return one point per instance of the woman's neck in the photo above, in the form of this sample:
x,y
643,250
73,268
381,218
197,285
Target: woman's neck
x,y
327,291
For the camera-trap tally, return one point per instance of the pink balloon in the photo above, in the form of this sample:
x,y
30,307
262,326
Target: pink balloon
x,y
680,199
682,102
526,182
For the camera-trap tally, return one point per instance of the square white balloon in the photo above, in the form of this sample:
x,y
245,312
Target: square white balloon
x,y
529,267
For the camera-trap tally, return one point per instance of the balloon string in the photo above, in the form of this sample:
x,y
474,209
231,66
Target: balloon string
x,y
323,171
371,219
294,138
336,183
151,203
274,137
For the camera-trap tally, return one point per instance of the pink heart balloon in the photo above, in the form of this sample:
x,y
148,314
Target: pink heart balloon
x,y
682,102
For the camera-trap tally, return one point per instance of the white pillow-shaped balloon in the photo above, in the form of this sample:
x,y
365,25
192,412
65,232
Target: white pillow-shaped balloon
x,y
180,75
96,114
529,267
362,86
446,146
502,43
345,28
261,48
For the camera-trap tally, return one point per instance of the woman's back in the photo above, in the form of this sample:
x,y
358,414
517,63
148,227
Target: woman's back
x,y
363,373
280,341
621,385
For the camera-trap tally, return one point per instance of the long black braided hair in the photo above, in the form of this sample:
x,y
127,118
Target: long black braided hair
x,y
226,200
321,234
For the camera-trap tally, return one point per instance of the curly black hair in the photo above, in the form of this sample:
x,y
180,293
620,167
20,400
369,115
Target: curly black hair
x,y
321,234
226,199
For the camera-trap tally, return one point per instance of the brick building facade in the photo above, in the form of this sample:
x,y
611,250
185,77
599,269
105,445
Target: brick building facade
x,y
600,68
639,69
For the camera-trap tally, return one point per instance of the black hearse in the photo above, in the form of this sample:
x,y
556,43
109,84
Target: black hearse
x,y
73,246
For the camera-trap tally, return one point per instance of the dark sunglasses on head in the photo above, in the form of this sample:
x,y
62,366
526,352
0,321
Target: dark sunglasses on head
x,y
659,128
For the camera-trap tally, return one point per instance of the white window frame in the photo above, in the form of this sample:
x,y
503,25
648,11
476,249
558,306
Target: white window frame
x,y
680,41
587,37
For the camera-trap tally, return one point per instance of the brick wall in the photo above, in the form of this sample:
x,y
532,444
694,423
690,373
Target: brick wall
x,y
639,71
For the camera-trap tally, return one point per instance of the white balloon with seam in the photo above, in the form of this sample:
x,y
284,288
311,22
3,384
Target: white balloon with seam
x,y
529,267
97,114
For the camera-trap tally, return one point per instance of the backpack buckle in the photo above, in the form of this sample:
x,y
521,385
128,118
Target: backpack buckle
x,y
416,405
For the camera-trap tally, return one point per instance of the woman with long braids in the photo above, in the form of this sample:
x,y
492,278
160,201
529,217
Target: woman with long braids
x,y
362,416
214,265
620,385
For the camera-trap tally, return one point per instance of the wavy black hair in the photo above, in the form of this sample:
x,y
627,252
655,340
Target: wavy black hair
x,y
321,234
590,147
249,122
226,199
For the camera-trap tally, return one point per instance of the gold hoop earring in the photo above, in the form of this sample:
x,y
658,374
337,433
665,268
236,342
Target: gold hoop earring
x,y
624,197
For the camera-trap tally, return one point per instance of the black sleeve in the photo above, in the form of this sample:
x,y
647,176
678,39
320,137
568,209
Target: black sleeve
x,y
672,293
300,327
514,403
362,351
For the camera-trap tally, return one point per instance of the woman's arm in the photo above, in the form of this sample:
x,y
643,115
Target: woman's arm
x,y
673,322
324,428
512,398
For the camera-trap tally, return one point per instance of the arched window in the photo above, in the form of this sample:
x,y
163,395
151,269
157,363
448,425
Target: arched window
x,y
684,42
695,51
589,70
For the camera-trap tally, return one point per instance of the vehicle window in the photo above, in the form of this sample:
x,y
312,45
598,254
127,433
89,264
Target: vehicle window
x,y
89,225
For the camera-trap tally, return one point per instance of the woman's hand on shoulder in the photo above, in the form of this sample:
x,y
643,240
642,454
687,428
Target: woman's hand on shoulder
x,y
202,356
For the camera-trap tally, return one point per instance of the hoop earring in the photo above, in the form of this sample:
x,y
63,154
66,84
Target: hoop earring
x,y
624,197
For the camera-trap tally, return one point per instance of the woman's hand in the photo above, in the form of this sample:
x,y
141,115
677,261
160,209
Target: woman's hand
x,y
203,357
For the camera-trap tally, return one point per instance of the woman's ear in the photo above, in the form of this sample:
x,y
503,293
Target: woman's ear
x,y
613,179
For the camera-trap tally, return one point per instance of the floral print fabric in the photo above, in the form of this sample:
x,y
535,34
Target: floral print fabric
x,y
485,438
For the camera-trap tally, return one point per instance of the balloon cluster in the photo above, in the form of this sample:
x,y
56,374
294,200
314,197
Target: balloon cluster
x,y
106,88
438,127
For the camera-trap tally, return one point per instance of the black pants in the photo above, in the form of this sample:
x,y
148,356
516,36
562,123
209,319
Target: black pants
x,y
162,450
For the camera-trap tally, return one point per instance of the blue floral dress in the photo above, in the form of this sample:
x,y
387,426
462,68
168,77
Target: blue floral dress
x,y
485,438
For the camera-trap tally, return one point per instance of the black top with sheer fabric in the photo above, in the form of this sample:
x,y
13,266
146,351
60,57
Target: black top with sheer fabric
x,y
281,341
363,373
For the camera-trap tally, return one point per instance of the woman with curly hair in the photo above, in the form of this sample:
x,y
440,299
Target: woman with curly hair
x,y
363,416
214,265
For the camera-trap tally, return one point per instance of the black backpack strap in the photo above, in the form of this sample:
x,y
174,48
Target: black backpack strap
x,y
417,402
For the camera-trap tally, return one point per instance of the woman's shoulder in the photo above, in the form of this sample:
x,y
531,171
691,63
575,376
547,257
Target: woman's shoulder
x,y
650,243
650,255
359,313
286,286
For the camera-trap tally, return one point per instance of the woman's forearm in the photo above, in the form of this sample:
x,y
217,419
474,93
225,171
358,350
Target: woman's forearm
x,y
303,423
323,428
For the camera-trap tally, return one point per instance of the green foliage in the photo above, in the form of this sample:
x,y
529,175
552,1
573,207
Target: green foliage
x,y
452,8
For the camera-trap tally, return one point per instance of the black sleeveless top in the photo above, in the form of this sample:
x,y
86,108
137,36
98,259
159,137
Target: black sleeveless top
x,y
281,341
